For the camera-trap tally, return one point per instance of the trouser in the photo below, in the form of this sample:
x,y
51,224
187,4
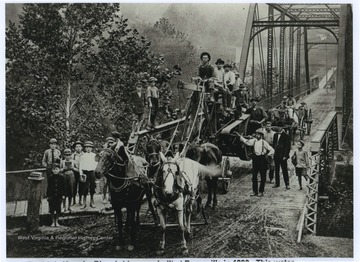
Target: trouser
x,y
270,167
89,184
154,110
69,180
77,185
300,172
284,169
259,166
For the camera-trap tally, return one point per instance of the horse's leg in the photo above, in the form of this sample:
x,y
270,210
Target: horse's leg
x,y
132,213
162,217
214,188
209,187
184,248
118,221
151,207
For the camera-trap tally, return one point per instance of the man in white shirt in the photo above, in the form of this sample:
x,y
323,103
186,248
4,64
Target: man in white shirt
x,y
229,82
262,150
87,165
219,70
269,137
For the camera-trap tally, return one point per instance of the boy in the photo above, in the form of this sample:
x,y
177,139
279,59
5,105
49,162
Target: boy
x,y
76,157
138,109
87,166
51,156
55,193
152,94
67,166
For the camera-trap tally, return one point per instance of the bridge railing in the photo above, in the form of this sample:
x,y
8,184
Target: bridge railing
x,y
322,147
297,92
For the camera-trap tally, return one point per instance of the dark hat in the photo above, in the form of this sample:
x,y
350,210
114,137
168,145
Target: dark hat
x,y
78,142
205,53
254,99
152,79
110,139
138,84
219,62
301,142
88,144
228,65
55,165
53,141
67,151
303,102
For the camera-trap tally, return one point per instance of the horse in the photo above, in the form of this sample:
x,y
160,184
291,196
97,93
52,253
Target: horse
x,y
210,155
128,184
176,187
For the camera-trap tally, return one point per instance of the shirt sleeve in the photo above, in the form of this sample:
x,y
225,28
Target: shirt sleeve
x,y
44,160
248,142
148,92
80,170
212,71
232,78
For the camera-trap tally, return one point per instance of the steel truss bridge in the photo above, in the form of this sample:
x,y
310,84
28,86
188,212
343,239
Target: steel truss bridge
x,y
285,69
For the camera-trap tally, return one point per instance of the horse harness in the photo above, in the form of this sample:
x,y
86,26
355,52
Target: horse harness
x,y
118,161
182,185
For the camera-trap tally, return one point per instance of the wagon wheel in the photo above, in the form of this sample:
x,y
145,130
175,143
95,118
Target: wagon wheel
x,y
309,121
226,175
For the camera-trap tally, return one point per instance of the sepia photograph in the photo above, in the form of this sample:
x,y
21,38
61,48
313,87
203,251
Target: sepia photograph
x,y
179,131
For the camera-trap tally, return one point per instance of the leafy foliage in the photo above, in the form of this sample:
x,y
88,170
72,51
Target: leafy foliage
x,y
76,58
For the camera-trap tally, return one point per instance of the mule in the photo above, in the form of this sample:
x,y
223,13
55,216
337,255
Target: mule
x,y
210,155
128,184
176,187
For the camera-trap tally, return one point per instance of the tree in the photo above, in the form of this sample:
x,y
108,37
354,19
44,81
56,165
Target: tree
x,y
64,51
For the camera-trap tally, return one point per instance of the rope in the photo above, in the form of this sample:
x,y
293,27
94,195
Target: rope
x,y
173,136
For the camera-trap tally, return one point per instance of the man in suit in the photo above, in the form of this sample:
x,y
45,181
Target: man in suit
x,y
282,149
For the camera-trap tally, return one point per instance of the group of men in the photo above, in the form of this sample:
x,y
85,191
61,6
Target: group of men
x,y
221,81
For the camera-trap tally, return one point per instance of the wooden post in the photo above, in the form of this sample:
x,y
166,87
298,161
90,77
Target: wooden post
x,y
34,201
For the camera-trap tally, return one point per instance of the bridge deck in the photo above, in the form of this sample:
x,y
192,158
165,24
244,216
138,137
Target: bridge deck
x,y
288,204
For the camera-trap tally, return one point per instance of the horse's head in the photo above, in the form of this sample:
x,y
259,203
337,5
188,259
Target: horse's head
x,y
111,158
153,148
168,174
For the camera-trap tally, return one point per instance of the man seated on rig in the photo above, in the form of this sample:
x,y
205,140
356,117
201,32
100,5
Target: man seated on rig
x,y
229,82
257,116
241,98
206,72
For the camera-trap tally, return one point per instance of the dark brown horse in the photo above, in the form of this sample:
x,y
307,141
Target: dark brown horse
x,y
210,155
128,184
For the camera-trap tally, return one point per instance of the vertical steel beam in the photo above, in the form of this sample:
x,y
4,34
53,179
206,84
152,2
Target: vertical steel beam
x,y
246,41
342,84
306,57
269,83
281,56
291,58
297,61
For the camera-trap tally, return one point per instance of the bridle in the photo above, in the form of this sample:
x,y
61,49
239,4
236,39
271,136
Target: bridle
x,y
161,187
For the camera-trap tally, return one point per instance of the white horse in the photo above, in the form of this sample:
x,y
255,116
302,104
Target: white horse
x,y
176,187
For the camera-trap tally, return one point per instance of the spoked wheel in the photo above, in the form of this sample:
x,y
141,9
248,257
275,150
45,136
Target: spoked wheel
x,y
225,175
309,121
